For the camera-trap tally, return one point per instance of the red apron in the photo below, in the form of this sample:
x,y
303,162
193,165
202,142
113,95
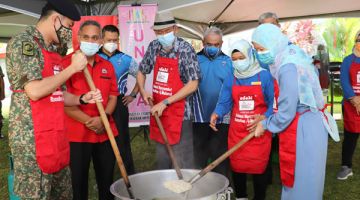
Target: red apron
x,y
51,145
276,95
351,118
253,156
287,152
166,83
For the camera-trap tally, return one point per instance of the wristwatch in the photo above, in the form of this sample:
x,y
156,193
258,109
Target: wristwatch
x,y
133,94
81,100
166,102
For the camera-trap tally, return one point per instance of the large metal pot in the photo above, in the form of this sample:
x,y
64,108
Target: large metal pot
x,y
149,186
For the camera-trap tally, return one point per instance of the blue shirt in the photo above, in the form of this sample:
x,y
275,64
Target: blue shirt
x,y
288,101
347,89
123,65
213,74
225,102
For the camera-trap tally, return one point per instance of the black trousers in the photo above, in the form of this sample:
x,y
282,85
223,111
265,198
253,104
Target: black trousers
x,y
103,158
348,147
209,145
121,118
260,183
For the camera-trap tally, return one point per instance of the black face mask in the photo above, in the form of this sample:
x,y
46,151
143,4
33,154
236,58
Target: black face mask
x,y
62,50
63,34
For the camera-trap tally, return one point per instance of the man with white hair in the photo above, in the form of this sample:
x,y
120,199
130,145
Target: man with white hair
x,y
269,17
215,66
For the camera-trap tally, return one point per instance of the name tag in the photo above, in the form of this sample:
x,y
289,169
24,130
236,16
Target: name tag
x,y
246,105
256,83
162,77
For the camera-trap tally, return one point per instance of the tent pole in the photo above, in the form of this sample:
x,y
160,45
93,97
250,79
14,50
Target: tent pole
x,y
222,12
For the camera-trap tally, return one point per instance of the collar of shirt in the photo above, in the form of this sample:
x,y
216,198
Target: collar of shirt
x,y
97,58
101,51
32,30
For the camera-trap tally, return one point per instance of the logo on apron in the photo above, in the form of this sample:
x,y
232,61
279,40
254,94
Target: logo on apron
x,y
246,103
162,75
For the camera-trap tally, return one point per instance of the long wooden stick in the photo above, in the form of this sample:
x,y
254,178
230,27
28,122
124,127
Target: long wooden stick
x,y
216,162
110,134
168,147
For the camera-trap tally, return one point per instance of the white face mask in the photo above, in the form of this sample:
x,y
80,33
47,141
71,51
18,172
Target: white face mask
x,y
89,48
241,65
110,47
166,40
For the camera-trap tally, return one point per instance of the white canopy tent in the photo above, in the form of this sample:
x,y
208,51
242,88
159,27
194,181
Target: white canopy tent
x,y
193,16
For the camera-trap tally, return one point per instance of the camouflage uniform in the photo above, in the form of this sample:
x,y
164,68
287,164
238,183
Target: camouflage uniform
x,y
24,62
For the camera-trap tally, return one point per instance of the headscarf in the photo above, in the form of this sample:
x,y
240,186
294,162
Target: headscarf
x,y
355,51
270,37
245,48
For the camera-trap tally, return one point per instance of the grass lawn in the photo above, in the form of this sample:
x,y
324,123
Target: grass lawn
x,y
144,155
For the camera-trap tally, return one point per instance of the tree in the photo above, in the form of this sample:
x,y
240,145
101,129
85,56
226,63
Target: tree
x,y
339,34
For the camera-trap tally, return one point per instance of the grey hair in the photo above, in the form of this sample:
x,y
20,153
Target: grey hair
x,y
267,15
90,23
213,30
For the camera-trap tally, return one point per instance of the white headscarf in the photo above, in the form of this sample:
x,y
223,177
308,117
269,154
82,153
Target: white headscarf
x,y
245,48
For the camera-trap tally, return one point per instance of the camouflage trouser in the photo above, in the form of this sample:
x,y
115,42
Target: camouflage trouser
x,y
31,183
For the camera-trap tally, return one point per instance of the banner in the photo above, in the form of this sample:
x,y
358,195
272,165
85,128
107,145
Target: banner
x,y
135,24
102,20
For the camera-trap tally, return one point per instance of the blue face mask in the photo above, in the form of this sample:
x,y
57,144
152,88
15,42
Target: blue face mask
x,y
166,40
241,65
265,57
212,51
89,48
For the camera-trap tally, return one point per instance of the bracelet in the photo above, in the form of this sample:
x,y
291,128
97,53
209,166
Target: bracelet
x,y
82,102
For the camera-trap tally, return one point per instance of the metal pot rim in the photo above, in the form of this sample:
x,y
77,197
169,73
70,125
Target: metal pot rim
x,y
195,171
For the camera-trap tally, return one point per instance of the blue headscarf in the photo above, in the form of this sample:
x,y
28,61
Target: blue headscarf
x,y
270,37
245,48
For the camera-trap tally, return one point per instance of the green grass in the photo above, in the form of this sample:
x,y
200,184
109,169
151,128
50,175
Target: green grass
x,y
144,155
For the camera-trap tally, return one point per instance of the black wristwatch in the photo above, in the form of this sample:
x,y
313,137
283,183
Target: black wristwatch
x,y
82,102
166,102
133,95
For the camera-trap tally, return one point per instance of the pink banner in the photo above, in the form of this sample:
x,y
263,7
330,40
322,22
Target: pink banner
x,y
135,24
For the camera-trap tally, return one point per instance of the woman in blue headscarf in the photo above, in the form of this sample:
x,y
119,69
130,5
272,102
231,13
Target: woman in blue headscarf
x,y
249,94
301,121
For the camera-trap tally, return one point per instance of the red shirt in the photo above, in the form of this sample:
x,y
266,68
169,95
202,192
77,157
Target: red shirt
x,y
105,80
